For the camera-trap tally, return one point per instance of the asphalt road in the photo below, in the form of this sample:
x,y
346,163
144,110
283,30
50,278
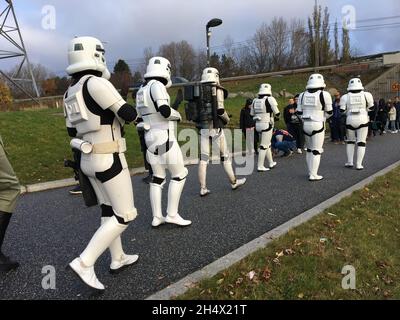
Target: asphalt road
x,y
52,227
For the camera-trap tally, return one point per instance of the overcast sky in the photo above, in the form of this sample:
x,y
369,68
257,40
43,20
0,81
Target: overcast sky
x,y
129,26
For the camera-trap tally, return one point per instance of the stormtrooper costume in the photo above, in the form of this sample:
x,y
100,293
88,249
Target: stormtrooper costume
x,y
95,115
315,106
163,151
211,128
356,104
265,111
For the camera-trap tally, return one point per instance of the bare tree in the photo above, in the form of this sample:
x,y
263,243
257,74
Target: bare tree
x,y
278,43
258,54
40,74
299,44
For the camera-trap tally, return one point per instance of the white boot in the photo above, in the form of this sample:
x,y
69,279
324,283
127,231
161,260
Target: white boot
x,y
261,158
360,157
156,205
315,161
119,260
229,170
350,147
309,156
202,178
270,159
174,195
86,274
101,240
238,183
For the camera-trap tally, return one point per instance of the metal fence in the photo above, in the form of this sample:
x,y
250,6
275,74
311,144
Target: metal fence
x,y
387,86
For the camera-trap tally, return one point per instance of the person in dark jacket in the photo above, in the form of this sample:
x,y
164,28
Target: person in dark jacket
x,y
397,106
336,122
294,124
382,116
247,125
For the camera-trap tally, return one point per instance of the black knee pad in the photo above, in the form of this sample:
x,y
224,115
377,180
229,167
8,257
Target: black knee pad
x,y
158,180
204,157
106,211
350,142
316,153
121,220
309,150
361,144
263,148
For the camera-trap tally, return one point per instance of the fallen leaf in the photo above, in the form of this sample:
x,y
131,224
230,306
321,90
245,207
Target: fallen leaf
x,y
340,249
300,295
220,281
279,254
332,214
251,275
266,274
289,251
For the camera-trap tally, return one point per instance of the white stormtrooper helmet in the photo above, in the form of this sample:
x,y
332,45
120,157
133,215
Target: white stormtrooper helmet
x,y
87,53
316,81
265,89
355,84
159,67
210,75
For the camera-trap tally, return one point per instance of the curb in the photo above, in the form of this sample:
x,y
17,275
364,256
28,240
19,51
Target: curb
x,y
235,256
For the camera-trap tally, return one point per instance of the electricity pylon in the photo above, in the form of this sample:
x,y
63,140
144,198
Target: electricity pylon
x,y
12,47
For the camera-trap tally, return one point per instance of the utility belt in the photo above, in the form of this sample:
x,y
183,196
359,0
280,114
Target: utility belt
x,y
117,146
357,112
316,116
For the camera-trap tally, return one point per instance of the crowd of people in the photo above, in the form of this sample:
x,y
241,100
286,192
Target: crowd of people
x,y
384,118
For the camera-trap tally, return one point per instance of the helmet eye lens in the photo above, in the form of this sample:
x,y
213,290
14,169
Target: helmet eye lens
x,y
78,47
100,49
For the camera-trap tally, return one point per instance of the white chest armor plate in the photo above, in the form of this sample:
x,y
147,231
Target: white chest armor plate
x,y
147,110
260,110
356,104
77,112
312,107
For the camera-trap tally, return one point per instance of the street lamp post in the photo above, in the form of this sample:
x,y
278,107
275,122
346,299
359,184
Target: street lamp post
x,y
211,24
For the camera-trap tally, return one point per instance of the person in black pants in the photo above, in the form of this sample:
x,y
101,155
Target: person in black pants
x,y
337,122
247,124
294,124
382,116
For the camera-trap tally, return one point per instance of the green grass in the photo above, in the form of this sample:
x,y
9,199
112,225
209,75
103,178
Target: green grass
x,y
362,230
37,144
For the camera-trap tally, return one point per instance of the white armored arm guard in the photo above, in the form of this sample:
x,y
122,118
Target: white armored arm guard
x,y
343,103
104,93
299,108
274,106
328,104
161,99
220,106
370,100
